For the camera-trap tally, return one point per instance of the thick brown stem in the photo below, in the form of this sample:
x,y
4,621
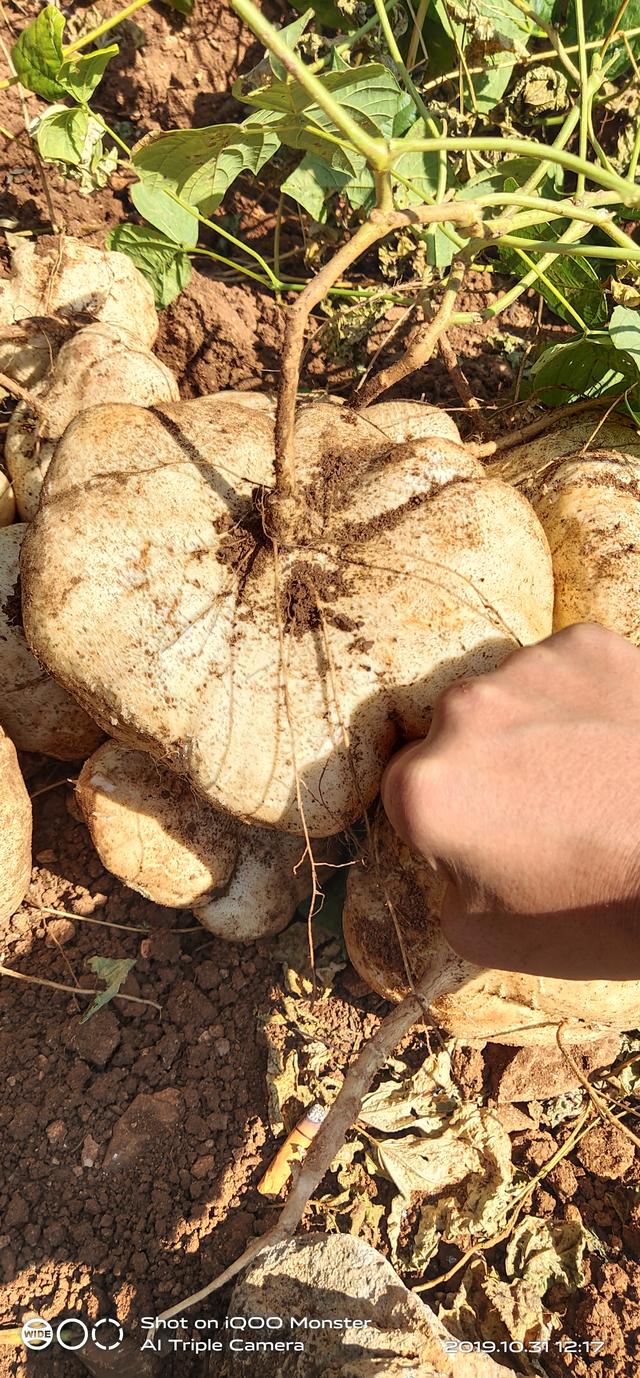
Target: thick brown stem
x,y
460,383
546,422
283,516
420,345
331,1136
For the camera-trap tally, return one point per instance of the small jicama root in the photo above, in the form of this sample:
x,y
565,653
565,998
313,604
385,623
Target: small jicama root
x,y
392,890
7,501
36,712
589,506
526,463
152,832
277,674
15,831
57,284
101,363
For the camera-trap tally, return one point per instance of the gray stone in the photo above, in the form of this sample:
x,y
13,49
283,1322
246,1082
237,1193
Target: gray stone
x,y
362,1322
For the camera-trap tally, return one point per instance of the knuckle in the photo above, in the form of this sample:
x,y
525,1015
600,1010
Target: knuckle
x,y
582,636
466,697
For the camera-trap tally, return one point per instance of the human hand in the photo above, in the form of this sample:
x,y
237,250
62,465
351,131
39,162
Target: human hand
x,y
527,793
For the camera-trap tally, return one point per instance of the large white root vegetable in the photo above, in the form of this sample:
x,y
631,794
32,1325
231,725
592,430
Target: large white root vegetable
x,y
589,507
157,836
15,831
36,712
465,1001
277,679
101,363
60,282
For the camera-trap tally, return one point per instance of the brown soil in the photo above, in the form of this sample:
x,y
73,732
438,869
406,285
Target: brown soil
x,y
131,1145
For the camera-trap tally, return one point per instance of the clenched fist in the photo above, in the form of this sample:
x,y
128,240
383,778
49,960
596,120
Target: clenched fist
x,y
526,793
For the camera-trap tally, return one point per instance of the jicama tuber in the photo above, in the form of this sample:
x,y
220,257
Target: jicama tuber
x,y
57,284
589,506
101,363
157,836
392,891
15,831
277,676
36,712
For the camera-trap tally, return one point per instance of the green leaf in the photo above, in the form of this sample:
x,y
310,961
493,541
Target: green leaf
x,y
198,165
61,134
575,278
587,367
37,55
164,264
598,18
370,94
81,74
624,329
114,973
179,224
311,183
73,138
493,34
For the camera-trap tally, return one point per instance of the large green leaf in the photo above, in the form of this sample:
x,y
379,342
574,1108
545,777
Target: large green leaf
x,y
370,94
182,6
493,34
198,165
37,55
372,97
588,367
40,64
165,265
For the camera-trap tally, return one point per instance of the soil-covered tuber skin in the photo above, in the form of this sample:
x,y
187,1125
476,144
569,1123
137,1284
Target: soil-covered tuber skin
x,y
59,283
274,677
467,1002
157,836
529,463
589,506
15,831
35,711
101,363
